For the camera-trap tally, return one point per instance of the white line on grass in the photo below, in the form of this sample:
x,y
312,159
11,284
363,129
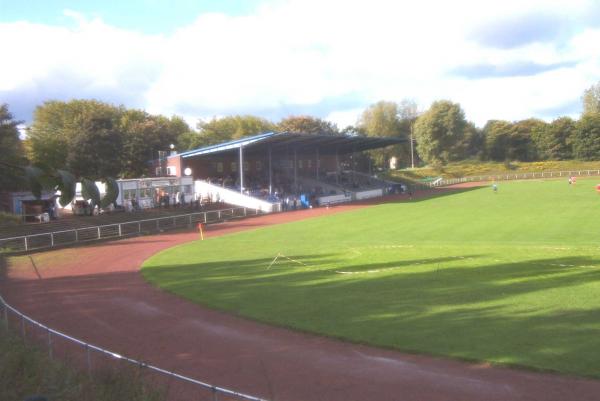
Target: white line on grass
x,y
288,258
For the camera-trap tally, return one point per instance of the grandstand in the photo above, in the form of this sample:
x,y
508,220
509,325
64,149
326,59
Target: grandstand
x,y
277,167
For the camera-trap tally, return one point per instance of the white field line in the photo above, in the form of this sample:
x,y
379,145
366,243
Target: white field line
x,y
288,258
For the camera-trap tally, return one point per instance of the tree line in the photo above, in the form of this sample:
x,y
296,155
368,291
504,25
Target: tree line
x,y
95,139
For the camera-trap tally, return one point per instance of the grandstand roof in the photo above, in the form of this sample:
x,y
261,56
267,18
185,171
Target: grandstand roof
x,y
327,144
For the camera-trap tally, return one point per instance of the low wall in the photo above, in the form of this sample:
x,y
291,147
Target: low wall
x,y
218,193
373,193
333,199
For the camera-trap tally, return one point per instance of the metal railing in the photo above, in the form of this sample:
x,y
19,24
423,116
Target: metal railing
x,y
50,336
522,176
117,230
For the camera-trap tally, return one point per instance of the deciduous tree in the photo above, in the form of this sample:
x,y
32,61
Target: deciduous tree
x,y
439,132
556,140
11,149
586,138
307,125
591,99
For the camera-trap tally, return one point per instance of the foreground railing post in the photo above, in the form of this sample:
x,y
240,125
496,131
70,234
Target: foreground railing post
x,y
120,231
26,244
215,394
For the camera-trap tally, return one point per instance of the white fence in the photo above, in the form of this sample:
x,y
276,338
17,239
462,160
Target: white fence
x,y
34,330
522,176
116,230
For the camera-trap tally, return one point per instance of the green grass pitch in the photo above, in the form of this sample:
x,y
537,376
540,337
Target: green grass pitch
x,y
511,277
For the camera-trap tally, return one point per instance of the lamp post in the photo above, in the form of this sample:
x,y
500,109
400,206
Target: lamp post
x,y
412,153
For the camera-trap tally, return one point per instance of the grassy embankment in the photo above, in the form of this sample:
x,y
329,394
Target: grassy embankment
x,y
470,169
26,371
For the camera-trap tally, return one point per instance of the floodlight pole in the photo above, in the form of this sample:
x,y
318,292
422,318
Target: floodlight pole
x,y
412,155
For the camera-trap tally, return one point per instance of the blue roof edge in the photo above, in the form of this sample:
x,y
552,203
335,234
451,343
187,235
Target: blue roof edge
x,y
227,144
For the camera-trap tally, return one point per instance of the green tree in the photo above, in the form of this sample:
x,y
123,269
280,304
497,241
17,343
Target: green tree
x,y
95,149
48,137
497,139
225,129
81,136
11,150
440,131
556,140
591,99
473,143
390,119
307,125
524,136
143,136
586,138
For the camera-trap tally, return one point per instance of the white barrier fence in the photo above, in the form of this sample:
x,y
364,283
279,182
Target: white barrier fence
x,y
522,176
116,230
50,337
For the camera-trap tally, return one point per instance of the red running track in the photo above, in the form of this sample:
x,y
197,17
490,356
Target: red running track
x,y
96,293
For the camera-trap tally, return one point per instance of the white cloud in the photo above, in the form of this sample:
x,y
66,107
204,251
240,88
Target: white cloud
x,y
299,55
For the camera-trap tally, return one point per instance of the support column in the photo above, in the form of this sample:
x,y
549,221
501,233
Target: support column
x,y
270,174
295,170
317,165
337,167
353,165
241,169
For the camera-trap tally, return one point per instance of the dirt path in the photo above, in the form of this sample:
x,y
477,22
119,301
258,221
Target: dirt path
x,y
96,293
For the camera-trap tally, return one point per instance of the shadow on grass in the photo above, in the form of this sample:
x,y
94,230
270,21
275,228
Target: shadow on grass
x,y
418,196
525,314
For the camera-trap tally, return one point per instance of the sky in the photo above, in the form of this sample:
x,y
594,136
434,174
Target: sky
x,y
199,59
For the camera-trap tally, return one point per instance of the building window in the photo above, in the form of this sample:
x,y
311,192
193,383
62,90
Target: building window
x,y
258,165
247,166
309,163
233,167
171,170
219,167
300,164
